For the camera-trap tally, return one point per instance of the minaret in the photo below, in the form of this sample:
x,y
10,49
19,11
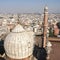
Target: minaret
x,y
45,25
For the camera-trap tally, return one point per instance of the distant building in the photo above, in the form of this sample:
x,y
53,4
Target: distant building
x,y
57,29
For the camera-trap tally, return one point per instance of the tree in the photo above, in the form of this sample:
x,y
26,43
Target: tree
x,y
50,32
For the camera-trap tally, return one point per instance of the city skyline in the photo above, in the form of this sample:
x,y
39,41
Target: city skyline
x,y
29,6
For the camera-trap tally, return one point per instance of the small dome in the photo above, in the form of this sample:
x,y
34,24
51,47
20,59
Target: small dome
x,y
19,43
46,7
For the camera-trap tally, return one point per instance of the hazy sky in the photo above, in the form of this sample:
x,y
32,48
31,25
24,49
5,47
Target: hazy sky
x,y
29,6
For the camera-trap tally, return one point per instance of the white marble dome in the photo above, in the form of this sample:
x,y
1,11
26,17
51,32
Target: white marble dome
x,y
19,43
